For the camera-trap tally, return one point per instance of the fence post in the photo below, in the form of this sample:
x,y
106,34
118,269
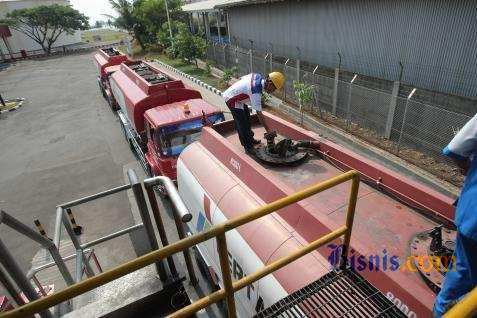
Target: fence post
x,y
265,64
348,110
392,110
271,57
392,104
236,55
335,87
298,65
213,48
317,87
284,87
251,56
404,118
225,56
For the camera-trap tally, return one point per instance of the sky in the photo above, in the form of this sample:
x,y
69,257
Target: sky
x,y
93,9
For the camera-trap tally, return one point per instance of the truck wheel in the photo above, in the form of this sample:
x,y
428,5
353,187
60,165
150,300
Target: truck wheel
x,y
204,270
101,89
110,102
206,273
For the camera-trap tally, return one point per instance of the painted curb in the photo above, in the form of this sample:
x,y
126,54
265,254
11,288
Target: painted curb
x,y
190,77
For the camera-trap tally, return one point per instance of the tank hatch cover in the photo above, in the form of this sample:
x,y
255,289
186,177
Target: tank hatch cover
x,y
284,153
432,253
150,75
340,293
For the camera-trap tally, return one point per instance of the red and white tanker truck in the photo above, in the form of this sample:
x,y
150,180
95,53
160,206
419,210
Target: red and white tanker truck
x,y
159,115
108,60
218,182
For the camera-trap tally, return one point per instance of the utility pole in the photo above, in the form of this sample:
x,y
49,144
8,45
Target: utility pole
x,y
169,23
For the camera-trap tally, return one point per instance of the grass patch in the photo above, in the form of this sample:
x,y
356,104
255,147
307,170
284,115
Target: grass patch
x,y
102,35
188,68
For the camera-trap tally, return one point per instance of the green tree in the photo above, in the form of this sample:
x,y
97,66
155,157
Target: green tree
x,y
44,24
151,15
189,46
227,76
126,19
98,24
143,19
163,36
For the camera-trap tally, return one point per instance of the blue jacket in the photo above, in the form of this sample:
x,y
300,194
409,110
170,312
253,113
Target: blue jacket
x,y
464,147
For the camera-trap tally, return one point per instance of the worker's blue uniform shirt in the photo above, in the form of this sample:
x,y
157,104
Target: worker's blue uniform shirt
x,y
464,147
462,278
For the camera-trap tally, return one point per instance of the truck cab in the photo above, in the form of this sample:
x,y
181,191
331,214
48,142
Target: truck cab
x,y
172,127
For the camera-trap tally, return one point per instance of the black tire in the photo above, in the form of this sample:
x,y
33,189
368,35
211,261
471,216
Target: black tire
x,y
101,89
206,273
203,269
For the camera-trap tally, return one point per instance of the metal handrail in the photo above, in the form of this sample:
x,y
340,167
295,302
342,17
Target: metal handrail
x,y
217,231
467,307
34,271
135,186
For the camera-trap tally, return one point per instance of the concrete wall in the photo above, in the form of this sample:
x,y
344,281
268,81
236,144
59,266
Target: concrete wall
x,y
18,41
436,40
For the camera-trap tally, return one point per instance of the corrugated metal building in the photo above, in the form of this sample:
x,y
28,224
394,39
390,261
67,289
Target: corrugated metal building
x,y
435,40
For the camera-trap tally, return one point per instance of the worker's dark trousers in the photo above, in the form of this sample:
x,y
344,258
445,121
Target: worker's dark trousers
x,y
243,126
463,276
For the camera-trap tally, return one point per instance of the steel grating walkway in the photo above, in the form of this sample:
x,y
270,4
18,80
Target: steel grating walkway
x,y
342,293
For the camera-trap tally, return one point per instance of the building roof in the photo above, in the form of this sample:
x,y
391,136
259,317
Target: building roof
x,y
235,3
211,5
203,6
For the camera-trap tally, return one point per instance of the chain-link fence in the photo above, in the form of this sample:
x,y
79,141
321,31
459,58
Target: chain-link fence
x,y
398,124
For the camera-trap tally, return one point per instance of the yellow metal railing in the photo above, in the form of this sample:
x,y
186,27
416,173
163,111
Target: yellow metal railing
x,y
218,231
467,307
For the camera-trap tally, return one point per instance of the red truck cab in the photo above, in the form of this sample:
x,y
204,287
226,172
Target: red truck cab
x,y
108,61
159,114
172,127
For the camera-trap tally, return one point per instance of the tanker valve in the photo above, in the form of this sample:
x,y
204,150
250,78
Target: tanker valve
x,y
270,137
283,152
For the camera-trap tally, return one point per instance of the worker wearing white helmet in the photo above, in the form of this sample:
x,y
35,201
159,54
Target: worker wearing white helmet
x,y
249,90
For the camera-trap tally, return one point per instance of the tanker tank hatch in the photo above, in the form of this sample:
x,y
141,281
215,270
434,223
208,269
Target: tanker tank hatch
x,y
285,152
435,248
148,74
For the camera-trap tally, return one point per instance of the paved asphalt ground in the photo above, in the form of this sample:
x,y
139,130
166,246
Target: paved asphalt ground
x,y
65,143
62,144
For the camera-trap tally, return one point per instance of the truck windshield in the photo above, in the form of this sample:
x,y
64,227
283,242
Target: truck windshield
x,y
173,139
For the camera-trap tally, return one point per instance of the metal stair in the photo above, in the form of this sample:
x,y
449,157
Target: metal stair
x,y
340,293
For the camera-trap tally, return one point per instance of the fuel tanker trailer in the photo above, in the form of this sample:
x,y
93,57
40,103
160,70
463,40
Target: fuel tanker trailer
x,y
108,61
398,225
159,115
